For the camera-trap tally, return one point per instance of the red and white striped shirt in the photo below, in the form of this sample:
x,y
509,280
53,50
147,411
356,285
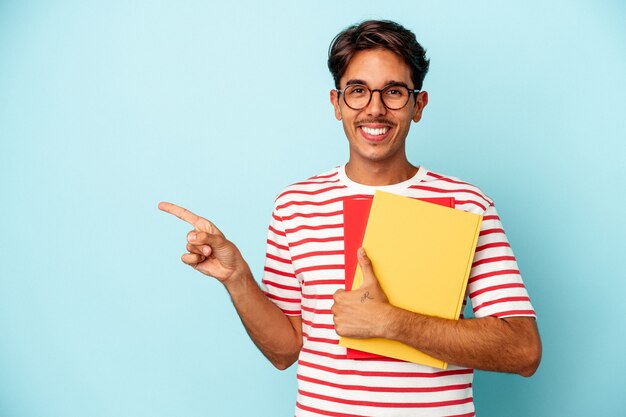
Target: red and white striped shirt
x,y
305,266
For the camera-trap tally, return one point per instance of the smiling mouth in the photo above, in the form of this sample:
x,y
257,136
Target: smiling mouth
x,y
375,131
374,134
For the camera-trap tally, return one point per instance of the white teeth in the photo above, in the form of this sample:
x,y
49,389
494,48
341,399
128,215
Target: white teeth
x,y
375,132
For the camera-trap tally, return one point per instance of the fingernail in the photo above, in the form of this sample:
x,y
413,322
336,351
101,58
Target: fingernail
x,y
192,237
205,250
362,252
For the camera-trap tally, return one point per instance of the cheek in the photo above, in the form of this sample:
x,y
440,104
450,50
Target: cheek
x,y
402,128
347,129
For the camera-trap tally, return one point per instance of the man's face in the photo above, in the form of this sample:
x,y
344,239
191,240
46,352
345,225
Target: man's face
x,y
375,133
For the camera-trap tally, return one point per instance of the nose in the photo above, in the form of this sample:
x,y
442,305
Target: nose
x,y
376,107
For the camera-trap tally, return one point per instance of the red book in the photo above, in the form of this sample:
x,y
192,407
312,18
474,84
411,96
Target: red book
x,y
355,214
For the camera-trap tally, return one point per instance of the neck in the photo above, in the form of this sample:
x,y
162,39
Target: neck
x,y
372,173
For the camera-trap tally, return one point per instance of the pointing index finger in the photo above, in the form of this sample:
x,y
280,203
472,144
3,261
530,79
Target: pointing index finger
x,y
180,212
199,223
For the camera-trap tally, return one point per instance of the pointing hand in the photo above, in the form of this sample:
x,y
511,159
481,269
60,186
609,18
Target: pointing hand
x,y
208,250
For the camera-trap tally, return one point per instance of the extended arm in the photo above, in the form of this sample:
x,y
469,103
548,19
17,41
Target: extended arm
x,y
489,343
278,336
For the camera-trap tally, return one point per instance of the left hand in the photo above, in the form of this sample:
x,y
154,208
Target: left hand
x,y
362,313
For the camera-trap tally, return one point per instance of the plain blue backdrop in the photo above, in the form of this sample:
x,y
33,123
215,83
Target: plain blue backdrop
x,y
107,108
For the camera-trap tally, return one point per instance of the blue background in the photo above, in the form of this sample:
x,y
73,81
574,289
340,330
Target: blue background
x,y
108,108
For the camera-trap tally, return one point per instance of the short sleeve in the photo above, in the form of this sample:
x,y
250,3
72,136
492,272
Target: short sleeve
x,y
495,284
279,281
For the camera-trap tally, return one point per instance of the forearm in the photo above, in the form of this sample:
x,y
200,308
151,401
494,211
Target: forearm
x,y
489,343
274,333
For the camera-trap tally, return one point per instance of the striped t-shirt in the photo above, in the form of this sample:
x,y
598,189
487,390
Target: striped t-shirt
x,y
305,266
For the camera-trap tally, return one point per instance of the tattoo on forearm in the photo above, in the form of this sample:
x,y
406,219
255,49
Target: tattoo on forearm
x,y
366,297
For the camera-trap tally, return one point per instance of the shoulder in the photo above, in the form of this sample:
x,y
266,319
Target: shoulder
x,y
468,197
310,188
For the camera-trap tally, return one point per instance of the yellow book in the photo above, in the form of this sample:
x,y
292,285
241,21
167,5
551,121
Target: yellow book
x,y
422,255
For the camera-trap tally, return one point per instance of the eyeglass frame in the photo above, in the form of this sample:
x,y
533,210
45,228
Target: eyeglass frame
x,y
380,90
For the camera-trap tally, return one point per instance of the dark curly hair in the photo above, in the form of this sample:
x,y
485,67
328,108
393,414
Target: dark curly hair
x,y
377,34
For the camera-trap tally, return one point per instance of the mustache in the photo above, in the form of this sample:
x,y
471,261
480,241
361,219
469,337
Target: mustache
x,y
376,120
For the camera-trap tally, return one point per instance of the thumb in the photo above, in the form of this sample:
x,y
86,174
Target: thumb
x,y
369,278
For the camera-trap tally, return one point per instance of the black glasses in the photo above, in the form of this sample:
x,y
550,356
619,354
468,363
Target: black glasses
x,y
394,97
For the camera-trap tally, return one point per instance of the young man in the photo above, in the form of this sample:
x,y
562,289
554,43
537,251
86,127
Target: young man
x,y
378,68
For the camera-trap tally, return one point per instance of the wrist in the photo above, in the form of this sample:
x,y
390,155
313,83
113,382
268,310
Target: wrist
x,y
390,320
400,322
239,278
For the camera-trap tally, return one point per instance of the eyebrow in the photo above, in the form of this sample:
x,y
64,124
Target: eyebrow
x,y
389,83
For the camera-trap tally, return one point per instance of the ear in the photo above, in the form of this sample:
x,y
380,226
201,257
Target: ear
x,y
420,103
334,99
